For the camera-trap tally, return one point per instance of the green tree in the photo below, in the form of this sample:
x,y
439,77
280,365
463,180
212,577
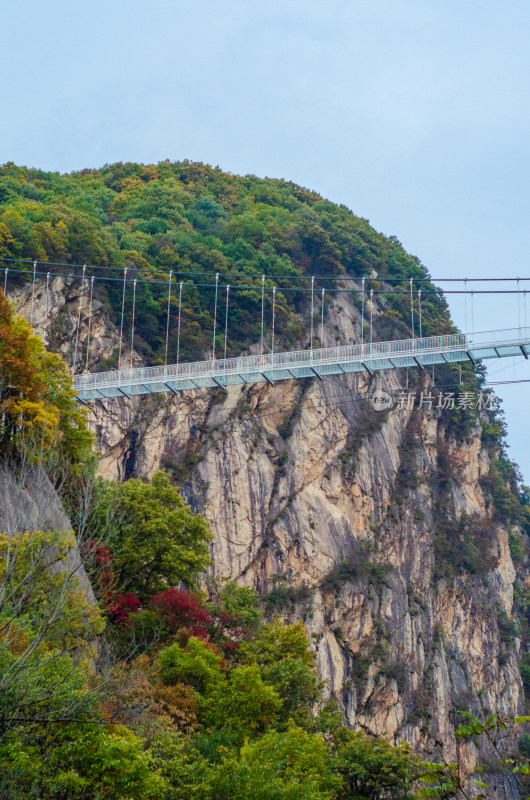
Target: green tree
x,y
55,736
241,703
156,541
198,665
286,663
103,762
278,766
372,769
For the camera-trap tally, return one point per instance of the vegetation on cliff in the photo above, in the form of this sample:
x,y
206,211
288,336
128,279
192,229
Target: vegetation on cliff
x,y
197,221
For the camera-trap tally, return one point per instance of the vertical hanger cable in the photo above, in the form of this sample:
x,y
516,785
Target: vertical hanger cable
x,y
215,315
273,320
312,311
362,315
122,313
465,305
33,290
133,320
226,319
371,315
262,310
412,307
46,306
168,314
78,319
322,330
89,321
178,329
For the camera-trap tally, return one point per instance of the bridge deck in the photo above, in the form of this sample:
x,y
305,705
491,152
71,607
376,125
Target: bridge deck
x,y
305,363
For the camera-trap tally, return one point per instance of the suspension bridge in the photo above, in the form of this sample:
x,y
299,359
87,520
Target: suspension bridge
x,y
318,363
366,356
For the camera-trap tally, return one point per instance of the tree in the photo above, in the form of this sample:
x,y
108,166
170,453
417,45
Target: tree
x,y
440,780
372,769
199,664
56,740
286,663
37,400
155,540
279,766
76,761
45,620
241,703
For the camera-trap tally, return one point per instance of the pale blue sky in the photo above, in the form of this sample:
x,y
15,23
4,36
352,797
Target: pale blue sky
x,y
416,115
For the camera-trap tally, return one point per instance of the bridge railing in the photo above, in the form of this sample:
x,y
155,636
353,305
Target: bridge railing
x,y
503,337
261,363
300,358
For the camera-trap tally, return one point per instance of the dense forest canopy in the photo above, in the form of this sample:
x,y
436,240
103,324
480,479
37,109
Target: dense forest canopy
x,y
192,218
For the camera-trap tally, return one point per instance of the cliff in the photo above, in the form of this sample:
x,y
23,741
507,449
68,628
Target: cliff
x,y
381,530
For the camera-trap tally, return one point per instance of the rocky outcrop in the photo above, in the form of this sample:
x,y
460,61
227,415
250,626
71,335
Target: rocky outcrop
x,y
29,503
339,513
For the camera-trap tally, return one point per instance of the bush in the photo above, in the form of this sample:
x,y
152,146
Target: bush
x,y
358,567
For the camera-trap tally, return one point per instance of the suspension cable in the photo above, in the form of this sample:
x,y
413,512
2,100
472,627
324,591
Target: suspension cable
x,y
262,310
226,318
419,310
89,321
273,319
122,313
215,315
78,320
178,329
252,275
472,314
168,313
46,306
33,291
362,316
244,287
322,331
133,320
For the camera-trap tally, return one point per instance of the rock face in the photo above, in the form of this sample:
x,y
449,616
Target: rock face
x,y
340,513
29,502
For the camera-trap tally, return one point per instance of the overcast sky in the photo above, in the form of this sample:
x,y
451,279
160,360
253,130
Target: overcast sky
x,y
414,114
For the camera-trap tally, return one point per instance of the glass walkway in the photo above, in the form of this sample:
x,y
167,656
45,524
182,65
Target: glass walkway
x,y
304,364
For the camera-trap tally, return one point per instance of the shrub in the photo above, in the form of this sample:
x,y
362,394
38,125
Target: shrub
x,y
357,567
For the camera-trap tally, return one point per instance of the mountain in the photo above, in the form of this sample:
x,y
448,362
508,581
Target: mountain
x,y
400,538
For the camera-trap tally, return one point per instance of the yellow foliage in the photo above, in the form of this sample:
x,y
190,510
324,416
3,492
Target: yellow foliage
x,y
44,566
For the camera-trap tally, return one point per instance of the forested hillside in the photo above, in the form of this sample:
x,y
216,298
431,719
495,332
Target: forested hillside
x,y
198,221
293,597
